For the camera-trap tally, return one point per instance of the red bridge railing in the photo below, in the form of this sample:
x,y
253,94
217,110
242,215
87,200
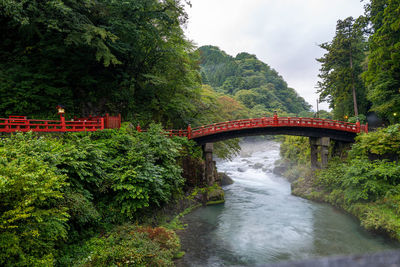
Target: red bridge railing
x,y
89,124
268,122
278,122
22,124
110,122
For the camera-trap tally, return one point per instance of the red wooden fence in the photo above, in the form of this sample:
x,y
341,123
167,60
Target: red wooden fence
x,y
110,122
90,124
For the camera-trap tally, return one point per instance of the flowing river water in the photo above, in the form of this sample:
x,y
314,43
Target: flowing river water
x,y
261,222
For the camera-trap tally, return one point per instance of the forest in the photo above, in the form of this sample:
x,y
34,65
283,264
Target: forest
x,y
89,199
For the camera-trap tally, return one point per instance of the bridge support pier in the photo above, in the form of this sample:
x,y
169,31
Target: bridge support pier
x,y
209,163
319,145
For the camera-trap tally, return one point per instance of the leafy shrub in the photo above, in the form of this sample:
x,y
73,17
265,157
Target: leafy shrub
x,y
385,141
146,171
360,179
84,161
296,149
361,118
31,219
131,245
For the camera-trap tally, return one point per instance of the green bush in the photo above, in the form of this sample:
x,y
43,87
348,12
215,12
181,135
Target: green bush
x,y
296,149
32,220
54,191
131,245
385,141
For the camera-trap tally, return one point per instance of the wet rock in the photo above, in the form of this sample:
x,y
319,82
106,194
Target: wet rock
x,y
225,179
257,166
280,168
215,196
241,170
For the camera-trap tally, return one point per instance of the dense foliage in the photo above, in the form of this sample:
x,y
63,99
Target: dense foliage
x,y
55,191
97,56
252,82
382,77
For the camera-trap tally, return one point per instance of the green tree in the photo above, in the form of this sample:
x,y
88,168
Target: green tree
x,y
341,66
383,75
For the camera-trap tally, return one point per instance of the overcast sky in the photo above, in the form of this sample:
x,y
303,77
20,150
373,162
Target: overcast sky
x,y
282,33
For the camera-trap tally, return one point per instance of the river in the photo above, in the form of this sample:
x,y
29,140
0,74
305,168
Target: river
x,y
261,222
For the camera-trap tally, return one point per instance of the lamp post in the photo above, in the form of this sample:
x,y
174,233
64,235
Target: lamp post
x,y
61,112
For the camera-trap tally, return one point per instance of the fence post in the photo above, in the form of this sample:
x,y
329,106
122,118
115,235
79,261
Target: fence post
x,y
62,118
107,121
7,126
119,120
102,123
189,132
275,118
358,126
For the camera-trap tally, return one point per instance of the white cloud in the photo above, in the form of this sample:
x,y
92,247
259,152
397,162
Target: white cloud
x,y
283,33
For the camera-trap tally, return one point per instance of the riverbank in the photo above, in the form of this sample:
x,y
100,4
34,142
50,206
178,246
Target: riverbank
x,y
379,216
366,184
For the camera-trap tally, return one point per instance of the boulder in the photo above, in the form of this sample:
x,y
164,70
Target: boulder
x,y
225,179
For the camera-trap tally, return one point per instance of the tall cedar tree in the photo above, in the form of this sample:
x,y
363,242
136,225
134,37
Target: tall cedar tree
x,y
341,85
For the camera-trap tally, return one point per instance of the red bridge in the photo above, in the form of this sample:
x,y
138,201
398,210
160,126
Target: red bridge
x,y
319,131
311,127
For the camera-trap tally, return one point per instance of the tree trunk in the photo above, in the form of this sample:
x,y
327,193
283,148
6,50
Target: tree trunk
x,y
352,84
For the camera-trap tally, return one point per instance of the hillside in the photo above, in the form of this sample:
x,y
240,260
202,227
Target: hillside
x,y
249,80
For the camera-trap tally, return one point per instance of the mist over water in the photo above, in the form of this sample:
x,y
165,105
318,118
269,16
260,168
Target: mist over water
x,y
261,222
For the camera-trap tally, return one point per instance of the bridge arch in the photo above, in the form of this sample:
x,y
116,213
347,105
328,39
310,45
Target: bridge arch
x,y
320,132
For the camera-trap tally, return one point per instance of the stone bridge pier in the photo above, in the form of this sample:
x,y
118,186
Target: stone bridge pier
x,y
319,147
208,149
